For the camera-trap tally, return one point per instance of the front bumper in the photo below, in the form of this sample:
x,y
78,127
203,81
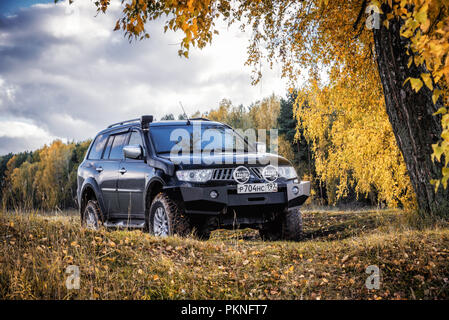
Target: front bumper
x,y
197,200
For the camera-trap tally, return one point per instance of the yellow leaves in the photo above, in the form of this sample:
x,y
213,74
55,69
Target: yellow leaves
x,y
421,15
117,25
68,259
445,120
427,80
437,151
415,83
442,110
430,47
445,178
353,142
436,95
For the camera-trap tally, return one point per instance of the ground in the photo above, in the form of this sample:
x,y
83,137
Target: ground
x,y
331,262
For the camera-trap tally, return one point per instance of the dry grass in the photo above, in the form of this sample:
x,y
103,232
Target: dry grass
x,y
330,264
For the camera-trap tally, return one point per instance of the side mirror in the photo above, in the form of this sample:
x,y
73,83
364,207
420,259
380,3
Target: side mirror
x,y
133,151
261,147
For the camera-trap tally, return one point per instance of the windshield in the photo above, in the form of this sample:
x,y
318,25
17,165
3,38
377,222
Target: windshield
x,y
197,138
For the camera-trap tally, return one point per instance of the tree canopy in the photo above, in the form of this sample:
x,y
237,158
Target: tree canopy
x,y
350,39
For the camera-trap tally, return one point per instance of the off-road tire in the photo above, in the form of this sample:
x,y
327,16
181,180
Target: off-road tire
x,y
203,231
92,210
288,226
271,231
178,222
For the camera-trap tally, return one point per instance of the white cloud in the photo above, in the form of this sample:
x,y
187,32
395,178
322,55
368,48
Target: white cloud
x,y
20,135
66,72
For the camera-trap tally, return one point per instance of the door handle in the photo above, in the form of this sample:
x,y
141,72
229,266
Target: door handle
x,y
122,170
99,169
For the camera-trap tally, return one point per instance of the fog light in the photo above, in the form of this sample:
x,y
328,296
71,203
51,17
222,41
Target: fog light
x,y
295,190
213,194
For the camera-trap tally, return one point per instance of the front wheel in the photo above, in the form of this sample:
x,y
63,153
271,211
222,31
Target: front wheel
x,y
92,216
166,217
287,226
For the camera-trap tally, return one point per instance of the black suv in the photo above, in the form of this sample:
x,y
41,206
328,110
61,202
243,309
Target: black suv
x,y
135,176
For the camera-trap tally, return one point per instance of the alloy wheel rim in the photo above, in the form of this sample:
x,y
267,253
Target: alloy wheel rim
x,y
91,219
160,224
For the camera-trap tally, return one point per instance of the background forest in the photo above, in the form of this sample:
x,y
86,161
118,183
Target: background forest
x,y
351,161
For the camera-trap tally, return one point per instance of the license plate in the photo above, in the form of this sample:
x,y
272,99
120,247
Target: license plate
x,y
257,187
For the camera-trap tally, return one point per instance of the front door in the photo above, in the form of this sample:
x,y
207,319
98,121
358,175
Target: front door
x,y
131,183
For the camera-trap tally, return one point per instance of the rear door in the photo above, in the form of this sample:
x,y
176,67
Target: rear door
x,y
96,165
111,159
131,183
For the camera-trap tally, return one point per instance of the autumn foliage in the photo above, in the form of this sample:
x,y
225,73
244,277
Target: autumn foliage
x,y
36,250
44,179
348,39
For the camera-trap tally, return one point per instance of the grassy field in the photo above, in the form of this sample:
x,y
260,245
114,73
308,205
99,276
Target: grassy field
x,y
330,263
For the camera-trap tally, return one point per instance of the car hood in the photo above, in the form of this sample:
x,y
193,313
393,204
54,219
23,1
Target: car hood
x,y
218,160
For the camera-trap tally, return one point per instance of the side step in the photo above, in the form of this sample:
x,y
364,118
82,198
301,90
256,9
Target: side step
x,y
125,224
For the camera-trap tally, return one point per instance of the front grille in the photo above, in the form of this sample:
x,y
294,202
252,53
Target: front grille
x,y
257,171
224,174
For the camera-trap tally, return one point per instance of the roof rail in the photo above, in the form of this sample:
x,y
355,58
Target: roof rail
x,y
204,119
124,122
143,120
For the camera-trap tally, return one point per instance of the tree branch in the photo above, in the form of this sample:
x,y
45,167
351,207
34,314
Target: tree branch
x,y
359,17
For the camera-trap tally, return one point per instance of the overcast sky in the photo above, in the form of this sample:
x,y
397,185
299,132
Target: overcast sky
x,y
65,74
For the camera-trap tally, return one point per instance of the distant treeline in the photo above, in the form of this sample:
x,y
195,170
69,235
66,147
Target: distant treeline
x,y
44,179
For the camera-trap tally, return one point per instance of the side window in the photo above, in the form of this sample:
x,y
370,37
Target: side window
x,y
108,147
135,138
117,147
97,148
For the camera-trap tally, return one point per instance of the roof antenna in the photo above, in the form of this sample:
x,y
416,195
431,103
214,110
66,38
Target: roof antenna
x,y
185,114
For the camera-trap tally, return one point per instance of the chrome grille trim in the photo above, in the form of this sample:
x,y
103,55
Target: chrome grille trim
x,y
225,174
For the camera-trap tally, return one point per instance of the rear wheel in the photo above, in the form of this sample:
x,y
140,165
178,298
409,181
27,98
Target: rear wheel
x,y
92,216
167,218
287,226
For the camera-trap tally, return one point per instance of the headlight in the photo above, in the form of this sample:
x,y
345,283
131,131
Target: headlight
x,y
287,172
201,175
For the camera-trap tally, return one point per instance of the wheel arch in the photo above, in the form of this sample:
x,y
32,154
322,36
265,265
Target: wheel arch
x,y
154,186
90,191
